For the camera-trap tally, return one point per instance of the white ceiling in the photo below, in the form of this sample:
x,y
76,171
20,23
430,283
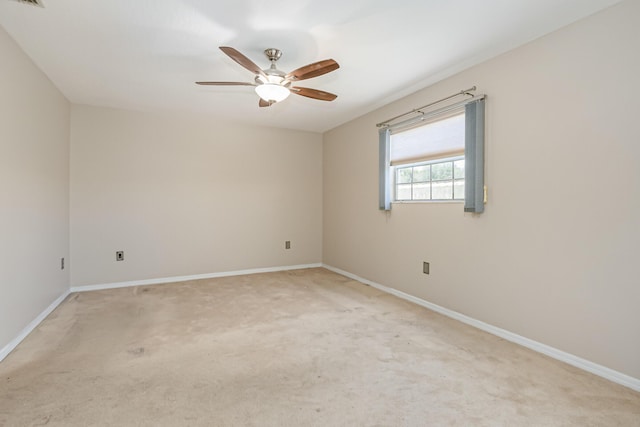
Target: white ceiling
x,y
147,54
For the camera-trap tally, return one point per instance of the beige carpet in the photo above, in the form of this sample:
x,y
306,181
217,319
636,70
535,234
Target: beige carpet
x,y
298,348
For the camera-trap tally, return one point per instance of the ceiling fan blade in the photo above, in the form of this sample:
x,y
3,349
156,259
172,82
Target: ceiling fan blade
x,y
263,103
242,60
225,83
313,70
313,93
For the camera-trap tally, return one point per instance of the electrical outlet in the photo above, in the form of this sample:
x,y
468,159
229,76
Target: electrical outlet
x,y
61,263
425,267
287,244
120,256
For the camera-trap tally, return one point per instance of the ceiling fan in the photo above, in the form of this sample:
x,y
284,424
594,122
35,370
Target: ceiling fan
x,y
273,85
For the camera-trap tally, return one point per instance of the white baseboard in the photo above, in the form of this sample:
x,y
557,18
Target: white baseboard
x,y
4,352
159,281
578,362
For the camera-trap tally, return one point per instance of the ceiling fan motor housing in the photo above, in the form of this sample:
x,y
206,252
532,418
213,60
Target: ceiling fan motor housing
x,y
273,54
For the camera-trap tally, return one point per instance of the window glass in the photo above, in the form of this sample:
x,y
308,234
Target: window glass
x,y
442,190
442,171
403,192
458,190
422,173
422,191
436,180
458,169
404,175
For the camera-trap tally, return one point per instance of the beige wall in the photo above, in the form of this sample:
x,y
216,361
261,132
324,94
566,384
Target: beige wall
x,y
34,191
554,257
183,195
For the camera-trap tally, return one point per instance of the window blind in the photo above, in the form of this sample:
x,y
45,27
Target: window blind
x,y
445,138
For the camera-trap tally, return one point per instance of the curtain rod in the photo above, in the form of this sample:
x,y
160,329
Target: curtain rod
x,y
437,112
417,110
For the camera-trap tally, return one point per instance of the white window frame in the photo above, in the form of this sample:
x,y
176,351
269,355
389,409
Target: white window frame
x,y
431,181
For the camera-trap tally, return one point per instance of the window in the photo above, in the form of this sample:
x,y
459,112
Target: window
x,y
435,156
437,180
428,160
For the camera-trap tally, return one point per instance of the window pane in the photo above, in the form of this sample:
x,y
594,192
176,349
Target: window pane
x,y
442,171
421,191
458,190
403,175
421,173
442,190
439,180
403,192
458,169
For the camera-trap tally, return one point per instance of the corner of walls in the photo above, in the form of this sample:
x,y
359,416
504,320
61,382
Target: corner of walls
x,y
34,182
31,326
551,258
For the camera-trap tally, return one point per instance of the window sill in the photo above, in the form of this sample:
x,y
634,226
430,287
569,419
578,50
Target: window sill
x,y
420,202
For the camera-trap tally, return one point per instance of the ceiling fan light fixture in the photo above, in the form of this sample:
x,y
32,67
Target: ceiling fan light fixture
x,y
272,92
